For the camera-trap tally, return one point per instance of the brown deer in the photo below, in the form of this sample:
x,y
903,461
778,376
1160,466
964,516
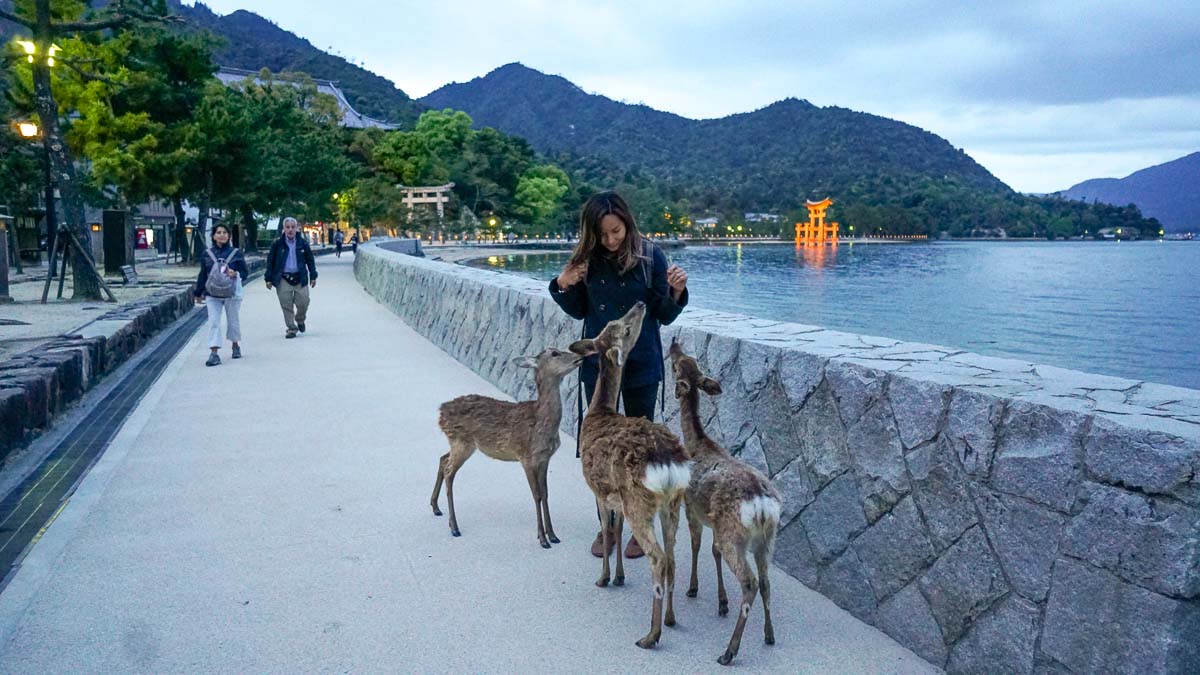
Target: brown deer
x,y
736,500
525,432
636,469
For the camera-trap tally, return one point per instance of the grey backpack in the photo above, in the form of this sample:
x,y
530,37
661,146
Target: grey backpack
x,y
220,284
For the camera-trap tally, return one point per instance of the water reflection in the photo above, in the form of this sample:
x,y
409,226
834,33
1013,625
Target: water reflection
x,y
1067,304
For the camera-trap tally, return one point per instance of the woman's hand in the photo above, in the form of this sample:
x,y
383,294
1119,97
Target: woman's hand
x,y
199,299
230,272
677,280
571,275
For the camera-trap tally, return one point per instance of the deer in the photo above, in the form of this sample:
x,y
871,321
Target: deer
x,y
525,432
635,468
737,501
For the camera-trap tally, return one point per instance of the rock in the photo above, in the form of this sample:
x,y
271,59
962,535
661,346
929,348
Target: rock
x,y
794,486
1000,641
894,550
794,554
1038,455
800,373
1146,460
834,518
918,408
1153,543
1097,623
1025,537
971,427
962,584
939,488
878,460
821,437
845,582
855,388
906,618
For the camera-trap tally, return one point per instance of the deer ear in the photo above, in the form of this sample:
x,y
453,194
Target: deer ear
x,y
676,348
584,347
616,356
682,387
710,386
525,362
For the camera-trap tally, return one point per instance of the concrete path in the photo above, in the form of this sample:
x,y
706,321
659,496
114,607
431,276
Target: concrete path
x,y
271,515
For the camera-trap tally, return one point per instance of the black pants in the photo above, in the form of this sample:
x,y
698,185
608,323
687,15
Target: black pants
x,y
635,402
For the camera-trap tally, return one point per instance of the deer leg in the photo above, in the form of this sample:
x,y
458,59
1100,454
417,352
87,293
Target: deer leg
x,y
606,539
722,598
696,528
542,470
437,485
531,474
735,556
670,526
618,527
459,454
643,528
764,589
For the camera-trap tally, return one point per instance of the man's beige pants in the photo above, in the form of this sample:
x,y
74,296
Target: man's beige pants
x,y
294,302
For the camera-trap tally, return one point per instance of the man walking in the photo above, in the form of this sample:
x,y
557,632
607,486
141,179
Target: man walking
x,y
291,271
338,238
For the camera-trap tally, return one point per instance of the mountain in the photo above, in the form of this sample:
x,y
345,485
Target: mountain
x,y
774,157
253,43
1166,192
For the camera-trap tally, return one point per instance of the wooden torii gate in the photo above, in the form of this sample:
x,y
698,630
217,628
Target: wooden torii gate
x,y
817,230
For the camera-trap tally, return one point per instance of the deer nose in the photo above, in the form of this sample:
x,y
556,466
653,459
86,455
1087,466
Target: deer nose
x,y
640,305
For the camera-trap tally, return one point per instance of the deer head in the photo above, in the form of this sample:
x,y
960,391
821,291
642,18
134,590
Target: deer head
x,y
617,338
688,374
552,363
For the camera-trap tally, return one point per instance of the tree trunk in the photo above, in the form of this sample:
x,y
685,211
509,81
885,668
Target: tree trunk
x,y
198,243
62,170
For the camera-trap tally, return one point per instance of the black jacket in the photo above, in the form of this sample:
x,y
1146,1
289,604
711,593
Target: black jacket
x,y
607,295
277,258
206,263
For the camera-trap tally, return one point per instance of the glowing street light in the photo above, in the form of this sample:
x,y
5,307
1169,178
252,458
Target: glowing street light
x,y
30,49
27,129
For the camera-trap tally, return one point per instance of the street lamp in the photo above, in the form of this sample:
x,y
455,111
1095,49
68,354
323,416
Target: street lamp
x,y
29,130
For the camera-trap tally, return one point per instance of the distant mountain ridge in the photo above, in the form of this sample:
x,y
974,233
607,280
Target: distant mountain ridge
x,y
253,43
1165,191
789,147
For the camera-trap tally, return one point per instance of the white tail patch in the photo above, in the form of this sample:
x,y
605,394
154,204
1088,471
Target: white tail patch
x,y
759,511
667,478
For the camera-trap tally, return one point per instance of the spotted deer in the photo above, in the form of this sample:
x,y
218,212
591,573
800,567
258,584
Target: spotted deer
x,y
525,432
636,469
736,500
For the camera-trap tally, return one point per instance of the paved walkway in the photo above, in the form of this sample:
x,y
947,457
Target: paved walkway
x,y
271,515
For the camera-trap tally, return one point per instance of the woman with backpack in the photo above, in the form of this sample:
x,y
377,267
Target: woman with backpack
x,y
219,287
611,269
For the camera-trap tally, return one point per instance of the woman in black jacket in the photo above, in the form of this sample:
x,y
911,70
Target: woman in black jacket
x,y
222,258
611,269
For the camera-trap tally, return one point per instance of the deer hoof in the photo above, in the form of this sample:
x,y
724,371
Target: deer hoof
x,y
647,642
726,658
602,582
691,592
669,620
455,533
436,511
770,638
554,539
545,544
723,609
619,581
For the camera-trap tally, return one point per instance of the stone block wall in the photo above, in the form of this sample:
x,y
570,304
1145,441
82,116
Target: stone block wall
x,y
989,514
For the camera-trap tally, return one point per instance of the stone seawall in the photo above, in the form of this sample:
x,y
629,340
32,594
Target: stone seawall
x,y
991,515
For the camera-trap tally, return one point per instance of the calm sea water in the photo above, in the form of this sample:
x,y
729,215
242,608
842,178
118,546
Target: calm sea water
x,y
1130,309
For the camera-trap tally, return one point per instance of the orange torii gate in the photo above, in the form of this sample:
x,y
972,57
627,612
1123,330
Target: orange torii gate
x,y
816,230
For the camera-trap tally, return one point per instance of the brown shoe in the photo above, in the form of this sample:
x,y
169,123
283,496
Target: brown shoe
x,y
598,546
633,549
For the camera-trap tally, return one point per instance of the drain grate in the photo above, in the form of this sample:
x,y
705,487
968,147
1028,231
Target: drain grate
x,y
28,509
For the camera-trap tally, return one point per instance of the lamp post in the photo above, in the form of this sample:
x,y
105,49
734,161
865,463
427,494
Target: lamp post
x,y
4,296
30,131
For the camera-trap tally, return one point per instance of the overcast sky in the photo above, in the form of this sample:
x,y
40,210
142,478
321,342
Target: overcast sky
x,y
1043,94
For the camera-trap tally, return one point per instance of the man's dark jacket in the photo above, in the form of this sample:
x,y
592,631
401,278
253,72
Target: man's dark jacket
x,y
607,295
277,258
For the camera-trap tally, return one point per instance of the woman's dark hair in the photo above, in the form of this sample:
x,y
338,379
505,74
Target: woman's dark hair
x,y
594,210
213,235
